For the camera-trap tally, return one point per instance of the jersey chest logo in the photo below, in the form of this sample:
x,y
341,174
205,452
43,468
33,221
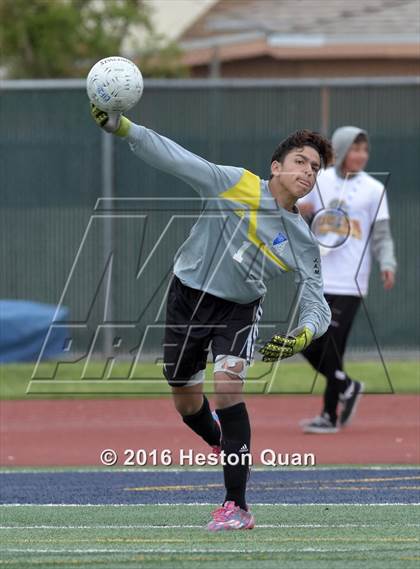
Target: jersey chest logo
x,y
279,243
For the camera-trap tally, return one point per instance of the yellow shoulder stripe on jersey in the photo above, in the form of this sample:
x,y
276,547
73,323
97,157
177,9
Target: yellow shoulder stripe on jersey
x,y
248,192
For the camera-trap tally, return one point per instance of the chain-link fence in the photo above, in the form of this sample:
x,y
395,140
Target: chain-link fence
x,y
59,243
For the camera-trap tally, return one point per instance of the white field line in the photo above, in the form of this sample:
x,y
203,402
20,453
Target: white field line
x,y
190,551
182,526
175,504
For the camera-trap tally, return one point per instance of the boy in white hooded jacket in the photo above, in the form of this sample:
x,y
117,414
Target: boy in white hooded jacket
x,y
352,219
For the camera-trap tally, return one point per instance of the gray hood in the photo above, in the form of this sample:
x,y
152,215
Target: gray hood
x,y
342,139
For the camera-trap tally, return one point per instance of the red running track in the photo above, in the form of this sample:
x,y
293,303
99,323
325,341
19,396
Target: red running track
x,y
386,430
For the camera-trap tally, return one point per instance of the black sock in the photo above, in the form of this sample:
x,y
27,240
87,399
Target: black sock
x,y
203,424
344,384
236,440
335,387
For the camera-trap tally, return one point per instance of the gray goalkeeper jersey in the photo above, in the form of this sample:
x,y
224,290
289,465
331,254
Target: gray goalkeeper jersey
x,y
243,238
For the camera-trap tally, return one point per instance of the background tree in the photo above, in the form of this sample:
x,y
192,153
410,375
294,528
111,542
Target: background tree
x,y
63,38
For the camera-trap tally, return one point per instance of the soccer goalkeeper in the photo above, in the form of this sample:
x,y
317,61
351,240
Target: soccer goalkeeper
x,y
251,234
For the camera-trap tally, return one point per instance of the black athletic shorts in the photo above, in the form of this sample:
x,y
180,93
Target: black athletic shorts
x,y
193,320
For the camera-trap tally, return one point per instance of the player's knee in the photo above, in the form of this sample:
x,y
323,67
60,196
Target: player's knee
x,y
188,404
230,372
224,400
233,366
187,392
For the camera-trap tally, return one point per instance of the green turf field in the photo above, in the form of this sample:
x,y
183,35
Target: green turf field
x,y
288,377
307,537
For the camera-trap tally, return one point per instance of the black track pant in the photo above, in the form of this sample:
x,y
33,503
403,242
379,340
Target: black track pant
x,y
326,353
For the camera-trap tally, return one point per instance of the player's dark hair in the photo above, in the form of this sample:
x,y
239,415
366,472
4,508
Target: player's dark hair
x,y
302,138
362,137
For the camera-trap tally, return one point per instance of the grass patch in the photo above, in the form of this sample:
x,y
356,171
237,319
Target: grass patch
x,y
309,537
71,380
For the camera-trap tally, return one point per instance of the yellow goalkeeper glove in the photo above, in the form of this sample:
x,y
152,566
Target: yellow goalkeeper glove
x,y
114,123
281,347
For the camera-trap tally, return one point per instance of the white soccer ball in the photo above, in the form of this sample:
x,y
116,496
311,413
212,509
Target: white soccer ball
x,y
114,84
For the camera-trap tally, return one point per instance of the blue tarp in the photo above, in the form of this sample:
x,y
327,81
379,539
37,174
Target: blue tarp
x,y
23,329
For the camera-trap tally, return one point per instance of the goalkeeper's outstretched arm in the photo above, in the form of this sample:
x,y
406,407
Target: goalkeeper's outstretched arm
x,y
166,155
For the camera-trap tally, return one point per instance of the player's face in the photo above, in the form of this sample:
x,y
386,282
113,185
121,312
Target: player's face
x,y
297,173
356,158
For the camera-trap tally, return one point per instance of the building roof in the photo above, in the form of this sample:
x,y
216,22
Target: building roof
x,y
239,28
314,17
172,17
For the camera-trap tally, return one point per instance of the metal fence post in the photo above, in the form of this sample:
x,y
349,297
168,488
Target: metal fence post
x,y
107,178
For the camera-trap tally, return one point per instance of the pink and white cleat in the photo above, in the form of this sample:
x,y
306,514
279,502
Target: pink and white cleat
x,y
229,517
